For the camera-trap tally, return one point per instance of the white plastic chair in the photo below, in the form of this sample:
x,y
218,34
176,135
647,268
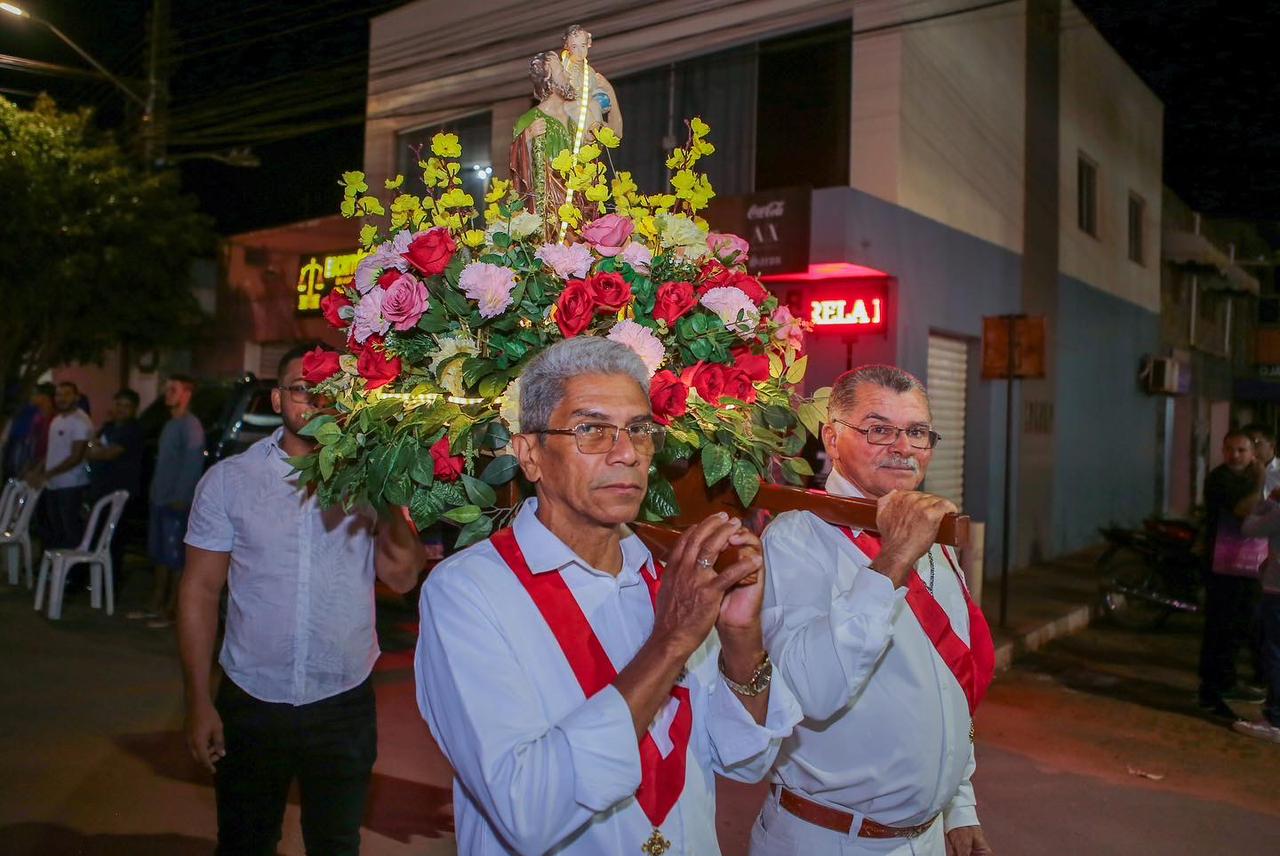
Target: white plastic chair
x,y
95,552
7,497
17,529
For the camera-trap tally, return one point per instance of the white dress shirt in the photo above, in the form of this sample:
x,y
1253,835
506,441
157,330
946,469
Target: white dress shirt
x,y
300,616
886,733
65,431
1272,477
540,768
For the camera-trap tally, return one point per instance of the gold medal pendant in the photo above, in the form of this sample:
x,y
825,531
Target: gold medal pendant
x,y
656,845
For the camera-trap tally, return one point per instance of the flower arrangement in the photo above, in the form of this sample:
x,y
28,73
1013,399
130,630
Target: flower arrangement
x,y
442,316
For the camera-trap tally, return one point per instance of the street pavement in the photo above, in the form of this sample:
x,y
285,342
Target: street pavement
x,y
1092,745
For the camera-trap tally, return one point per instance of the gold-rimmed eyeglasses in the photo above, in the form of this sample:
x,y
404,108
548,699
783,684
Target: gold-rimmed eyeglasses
x,y
598,438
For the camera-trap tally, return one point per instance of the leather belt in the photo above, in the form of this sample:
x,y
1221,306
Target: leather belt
x,y
841,821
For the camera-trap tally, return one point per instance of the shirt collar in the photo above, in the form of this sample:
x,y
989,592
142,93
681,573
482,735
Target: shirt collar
x,y
841,486
544,551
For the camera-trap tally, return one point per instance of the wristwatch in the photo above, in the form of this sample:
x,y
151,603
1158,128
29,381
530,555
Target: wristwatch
x,y
760,678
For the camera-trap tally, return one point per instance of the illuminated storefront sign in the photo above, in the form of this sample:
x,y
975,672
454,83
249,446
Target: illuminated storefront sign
x,y
322,273
836,297
841,313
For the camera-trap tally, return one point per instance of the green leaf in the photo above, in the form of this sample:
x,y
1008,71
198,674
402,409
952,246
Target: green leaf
x,y
496,435
310,429
493,385
423,470
476,530
799,466
810,418
775,365
777,417
399,490
327,455
500,470
717,461
660,501
328,434
746,481
795,372
462,514
479,492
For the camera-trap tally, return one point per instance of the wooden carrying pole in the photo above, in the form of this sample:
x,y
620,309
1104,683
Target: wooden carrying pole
x,y
836,510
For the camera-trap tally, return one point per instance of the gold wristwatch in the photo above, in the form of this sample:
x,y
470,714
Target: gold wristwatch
x,y
760,678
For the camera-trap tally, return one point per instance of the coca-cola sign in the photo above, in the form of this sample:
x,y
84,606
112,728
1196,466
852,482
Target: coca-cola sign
x,y
775,223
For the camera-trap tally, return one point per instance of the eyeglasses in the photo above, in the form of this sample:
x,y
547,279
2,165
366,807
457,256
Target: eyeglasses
x,y
884,434
598,438
300,393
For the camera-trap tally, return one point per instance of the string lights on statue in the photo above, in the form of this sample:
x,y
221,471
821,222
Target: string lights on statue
x,y
583,94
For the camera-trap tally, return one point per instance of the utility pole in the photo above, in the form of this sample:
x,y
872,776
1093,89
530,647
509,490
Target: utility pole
x,y
155,130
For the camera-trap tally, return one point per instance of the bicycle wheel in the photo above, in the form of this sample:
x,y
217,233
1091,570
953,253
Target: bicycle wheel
x,y
1135,594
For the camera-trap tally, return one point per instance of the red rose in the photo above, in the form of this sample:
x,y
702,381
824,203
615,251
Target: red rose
x,y
750,286
611,290
389,277
707,379
713,275
575,308
737,384
431,251
331,305
359,348
375,368
319,364
673,301
668,397
448,467
756,366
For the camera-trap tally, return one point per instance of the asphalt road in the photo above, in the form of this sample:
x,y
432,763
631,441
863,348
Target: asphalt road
x,y
1093,746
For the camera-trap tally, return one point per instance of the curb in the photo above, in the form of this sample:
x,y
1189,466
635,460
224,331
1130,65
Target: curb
x,y
1073,622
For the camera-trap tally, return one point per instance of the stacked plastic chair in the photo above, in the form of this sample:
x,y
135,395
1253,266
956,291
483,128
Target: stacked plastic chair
x,y
94,550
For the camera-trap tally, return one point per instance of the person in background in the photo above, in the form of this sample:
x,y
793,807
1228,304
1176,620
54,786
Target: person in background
x,y
115,463
1231,491
1265,521
296,698
63,473
179,463
29,432
1264,449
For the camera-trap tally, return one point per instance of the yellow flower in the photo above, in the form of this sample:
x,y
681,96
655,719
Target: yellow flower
x,y
683,181
647,226
498,189
588,153
563,162
446,146
676,160
607,138
473,238
699,128
623,186
597,193
456,198
434,173
368,234
393,183
570,214
493,214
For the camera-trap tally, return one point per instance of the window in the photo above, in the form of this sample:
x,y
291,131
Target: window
x,y
1137,218
475,134
1087,195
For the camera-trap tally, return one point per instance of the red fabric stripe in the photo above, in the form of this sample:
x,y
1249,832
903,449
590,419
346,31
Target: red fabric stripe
x,y
972,665
661,779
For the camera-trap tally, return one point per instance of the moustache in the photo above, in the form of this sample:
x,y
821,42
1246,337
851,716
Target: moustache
x,y
898,463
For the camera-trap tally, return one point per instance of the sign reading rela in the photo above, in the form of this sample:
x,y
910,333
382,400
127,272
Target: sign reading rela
x,y
316,277
846,313
836,297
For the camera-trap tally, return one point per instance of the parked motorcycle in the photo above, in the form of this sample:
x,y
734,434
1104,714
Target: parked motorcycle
x,y
1150,573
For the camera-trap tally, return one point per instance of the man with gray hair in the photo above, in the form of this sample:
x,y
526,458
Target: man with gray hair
x,y
577,688
876,634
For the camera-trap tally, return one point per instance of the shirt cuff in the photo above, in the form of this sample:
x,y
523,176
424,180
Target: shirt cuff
x,y
603,747
956,816
737,736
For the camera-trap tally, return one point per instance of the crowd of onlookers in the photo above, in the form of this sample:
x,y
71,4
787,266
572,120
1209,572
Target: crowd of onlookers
x,y
1242,582
52,444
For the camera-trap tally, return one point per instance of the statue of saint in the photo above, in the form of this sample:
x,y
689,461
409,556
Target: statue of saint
x,y
552,125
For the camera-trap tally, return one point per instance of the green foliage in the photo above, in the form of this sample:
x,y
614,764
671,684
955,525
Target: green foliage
x,y
94,251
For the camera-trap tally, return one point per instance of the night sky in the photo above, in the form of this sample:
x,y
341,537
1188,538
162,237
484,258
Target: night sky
x,y
289,80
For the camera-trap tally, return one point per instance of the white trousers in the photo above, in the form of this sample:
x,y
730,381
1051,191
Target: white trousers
x,y
778,832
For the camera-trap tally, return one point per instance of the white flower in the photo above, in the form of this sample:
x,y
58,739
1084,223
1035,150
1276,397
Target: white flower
x,y
489,285
637,255
640,339
509,409
524,224
571,262
451,375
735,309
678,231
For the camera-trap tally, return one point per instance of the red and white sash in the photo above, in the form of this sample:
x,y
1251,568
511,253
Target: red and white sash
x,y
661,778
973,665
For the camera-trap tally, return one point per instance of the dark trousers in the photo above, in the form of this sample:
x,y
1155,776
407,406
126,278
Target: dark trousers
x,y
1228,612
1269,615
62,513
329,746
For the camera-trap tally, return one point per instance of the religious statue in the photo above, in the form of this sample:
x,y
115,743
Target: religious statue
x,y
574,101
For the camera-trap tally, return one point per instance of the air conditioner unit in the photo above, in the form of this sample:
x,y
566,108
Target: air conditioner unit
x,y
1161,375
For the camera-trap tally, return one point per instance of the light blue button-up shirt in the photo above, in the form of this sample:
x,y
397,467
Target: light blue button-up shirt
x,y
540,768
300,617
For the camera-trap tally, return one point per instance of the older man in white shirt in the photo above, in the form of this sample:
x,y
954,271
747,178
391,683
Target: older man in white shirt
x,y
882,645
578,688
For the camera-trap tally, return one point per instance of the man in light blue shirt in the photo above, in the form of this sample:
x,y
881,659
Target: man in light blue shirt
x,y
295,700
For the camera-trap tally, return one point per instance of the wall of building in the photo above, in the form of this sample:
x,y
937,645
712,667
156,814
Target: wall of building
x,y
938,114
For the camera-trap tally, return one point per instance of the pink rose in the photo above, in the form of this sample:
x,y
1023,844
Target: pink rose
x,y
790,329
405,301
724,246
608,234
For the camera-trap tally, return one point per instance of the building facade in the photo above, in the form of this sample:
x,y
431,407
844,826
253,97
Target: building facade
x,y
904,170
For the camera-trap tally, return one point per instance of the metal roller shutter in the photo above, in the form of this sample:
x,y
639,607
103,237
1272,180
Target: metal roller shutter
x,y
948,372
269,361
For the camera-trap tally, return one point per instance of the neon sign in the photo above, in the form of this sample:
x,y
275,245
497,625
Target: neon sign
x,y
316,277
842,313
